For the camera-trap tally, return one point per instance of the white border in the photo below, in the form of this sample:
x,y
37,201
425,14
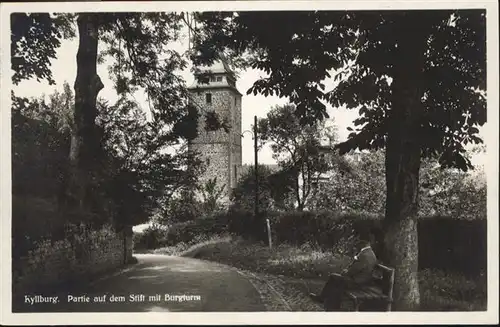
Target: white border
x,y
491,168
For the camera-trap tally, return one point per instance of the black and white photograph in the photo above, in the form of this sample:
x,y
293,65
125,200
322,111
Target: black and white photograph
x,y
333,159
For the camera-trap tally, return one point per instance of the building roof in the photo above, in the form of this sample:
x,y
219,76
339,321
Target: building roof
x,y
218,68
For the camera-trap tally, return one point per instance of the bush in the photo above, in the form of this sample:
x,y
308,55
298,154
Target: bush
x,y
81,255
151,238
445,291
445,243
190,231
34,219
243,195
180,232
138,241
325,229
39,156
183,209
37,219
453,245
243,223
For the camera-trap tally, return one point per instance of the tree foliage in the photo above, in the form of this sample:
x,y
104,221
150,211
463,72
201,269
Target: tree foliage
x,y
34,40
137,174
296,149
182,207
40,140
452,193
446,192
139,45
124,145
143,163
358,186
212,195
275,190
417,77
359,52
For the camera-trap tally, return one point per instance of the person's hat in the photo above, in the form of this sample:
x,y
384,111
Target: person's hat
x,y
362,242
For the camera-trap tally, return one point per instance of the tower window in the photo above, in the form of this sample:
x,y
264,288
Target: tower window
x,y
208,98
212,79
219,78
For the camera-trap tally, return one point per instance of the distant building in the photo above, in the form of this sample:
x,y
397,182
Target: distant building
x,y
352,157
219,150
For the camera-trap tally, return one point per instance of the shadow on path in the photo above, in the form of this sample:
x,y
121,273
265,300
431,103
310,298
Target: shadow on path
x,y
158,283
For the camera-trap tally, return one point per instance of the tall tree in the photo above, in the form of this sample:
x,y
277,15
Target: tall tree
x,y
296,149
84,149
276,190
140,162
358,185
141,59
418,79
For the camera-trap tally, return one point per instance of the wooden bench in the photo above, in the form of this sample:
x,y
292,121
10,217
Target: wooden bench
x,y
373,298
378,296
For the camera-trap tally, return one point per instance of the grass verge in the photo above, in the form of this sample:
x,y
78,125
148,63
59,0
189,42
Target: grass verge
x,y
296,271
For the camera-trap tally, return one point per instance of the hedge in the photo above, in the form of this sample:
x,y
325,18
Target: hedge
x,y
186,232
151,238
183,232
445,243
453,245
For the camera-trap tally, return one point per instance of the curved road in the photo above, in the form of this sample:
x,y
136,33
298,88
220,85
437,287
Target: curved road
x,y
160,283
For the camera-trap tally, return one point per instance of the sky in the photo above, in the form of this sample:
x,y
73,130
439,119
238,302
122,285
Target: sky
x,y
64,69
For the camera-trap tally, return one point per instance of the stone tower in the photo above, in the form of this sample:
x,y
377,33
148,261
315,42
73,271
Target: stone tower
x,y
219,150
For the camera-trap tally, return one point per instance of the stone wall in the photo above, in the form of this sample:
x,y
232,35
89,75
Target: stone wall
x,y
81,258
219,150
216,158
222,105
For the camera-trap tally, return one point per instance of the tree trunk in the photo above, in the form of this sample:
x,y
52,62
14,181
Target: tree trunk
x,y
84,141
403,162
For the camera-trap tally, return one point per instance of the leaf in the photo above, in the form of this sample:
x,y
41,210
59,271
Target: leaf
x,y
454,64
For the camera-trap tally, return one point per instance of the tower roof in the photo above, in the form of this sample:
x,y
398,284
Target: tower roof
x,y
219,68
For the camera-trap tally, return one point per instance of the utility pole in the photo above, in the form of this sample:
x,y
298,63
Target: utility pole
x,y
256,213
256,168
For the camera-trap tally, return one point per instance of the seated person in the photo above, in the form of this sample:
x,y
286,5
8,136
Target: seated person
x,y
357,275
